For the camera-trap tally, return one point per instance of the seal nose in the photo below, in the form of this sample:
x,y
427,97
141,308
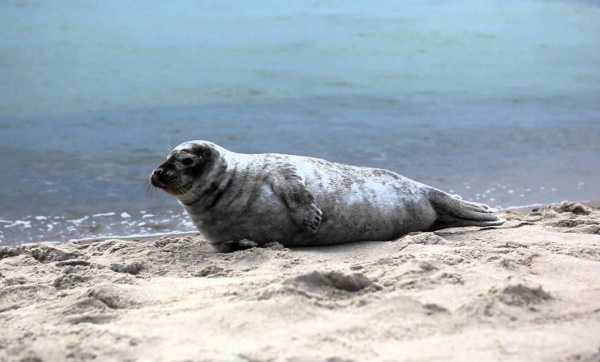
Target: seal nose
x,y
156,177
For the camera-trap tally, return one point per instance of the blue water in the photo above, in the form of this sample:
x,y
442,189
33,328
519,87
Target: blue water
x,y
498,101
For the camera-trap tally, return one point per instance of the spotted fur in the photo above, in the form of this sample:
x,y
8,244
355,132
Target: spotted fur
x,y
240,200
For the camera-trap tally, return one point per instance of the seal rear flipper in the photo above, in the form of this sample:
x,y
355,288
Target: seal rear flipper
x,y
447,221
454,212
299,201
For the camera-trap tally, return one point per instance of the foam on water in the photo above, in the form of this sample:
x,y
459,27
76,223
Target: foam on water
x,y
32,229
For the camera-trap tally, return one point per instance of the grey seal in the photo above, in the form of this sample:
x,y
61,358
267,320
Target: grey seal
x,y
241,200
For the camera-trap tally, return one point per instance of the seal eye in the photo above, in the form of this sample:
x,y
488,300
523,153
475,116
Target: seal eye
x,y
187,161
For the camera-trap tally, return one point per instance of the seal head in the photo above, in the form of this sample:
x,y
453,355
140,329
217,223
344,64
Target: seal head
x,y
186,168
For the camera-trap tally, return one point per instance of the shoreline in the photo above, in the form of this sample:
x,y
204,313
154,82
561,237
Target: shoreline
x,y
528,208
526,290
147,238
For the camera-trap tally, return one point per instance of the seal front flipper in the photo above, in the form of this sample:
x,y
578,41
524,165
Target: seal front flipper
x,y
290,187
234,245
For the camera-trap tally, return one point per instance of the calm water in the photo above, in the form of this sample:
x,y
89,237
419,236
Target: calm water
x,y
498,101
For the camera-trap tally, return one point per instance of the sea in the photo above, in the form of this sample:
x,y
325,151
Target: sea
x,y
497,101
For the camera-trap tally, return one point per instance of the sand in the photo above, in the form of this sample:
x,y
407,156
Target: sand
x,y
526,291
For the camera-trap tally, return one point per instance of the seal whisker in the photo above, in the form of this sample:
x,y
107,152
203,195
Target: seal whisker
x,y
185,188
151,190
181,190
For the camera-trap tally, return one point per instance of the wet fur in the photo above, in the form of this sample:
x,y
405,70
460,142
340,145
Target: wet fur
x,y
243,200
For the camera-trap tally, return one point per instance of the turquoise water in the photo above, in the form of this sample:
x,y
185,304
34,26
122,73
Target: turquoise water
x,y
498,101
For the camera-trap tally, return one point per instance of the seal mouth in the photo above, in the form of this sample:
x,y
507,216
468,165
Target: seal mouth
x,y
181,189
170,186
156,182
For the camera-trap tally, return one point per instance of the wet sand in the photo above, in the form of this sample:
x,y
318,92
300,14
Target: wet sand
x,y
528,290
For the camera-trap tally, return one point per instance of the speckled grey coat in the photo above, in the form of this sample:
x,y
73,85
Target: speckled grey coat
x,y
241,200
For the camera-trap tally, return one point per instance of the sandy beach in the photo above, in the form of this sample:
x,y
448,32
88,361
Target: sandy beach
x,y
526,291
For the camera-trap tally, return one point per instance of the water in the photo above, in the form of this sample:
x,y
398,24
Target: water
x,y
498,101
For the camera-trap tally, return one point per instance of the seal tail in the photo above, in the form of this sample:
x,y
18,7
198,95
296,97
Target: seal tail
x,y
454,212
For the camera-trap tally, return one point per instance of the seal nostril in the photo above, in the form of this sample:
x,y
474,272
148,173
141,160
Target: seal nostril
x,y
158,171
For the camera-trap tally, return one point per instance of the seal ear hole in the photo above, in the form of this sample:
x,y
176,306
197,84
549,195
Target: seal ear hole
x,y
187,161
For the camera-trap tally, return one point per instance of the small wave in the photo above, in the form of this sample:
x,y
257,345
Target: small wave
x,y
130,223
132,236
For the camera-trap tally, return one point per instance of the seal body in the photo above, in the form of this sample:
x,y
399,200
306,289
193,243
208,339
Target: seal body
x,y
240,200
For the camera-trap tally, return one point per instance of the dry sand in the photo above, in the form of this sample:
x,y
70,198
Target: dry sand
x,y
529,290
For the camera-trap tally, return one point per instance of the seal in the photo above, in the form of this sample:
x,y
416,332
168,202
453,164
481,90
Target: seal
x,y
240,200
